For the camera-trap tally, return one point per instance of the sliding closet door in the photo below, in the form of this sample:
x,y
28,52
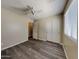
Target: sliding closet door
x,y
55,30
50,29
42,30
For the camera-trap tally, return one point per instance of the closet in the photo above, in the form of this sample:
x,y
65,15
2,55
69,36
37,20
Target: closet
x,y
48,29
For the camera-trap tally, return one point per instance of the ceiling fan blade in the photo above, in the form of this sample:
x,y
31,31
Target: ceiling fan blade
x,y
18,9
32,12
29,7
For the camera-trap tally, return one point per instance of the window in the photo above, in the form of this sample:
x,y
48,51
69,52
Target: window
x,y
70,23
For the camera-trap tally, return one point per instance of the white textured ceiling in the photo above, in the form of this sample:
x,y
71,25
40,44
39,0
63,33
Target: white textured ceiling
x,y
48,7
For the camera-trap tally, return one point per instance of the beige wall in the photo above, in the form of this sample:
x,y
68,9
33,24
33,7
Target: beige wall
x,y
14,28
49,29
70,47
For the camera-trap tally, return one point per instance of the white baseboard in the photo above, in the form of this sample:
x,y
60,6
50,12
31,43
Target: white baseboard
x,y
65,52
13,45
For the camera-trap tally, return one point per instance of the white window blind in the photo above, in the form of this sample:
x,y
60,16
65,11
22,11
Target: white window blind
x,y
70,23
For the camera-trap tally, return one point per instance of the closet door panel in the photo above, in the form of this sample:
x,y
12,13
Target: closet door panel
x,y
56,30
35,30
42,30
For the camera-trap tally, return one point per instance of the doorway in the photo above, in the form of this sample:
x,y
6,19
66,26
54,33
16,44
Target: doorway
x,y
30,30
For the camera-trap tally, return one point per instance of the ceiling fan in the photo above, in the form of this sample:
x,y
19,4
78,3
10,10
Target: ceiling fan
x,y
27,10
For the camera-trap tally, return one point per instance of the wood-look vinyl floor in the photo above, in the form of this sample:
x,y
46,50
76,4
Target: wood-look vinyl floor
x,y
35,49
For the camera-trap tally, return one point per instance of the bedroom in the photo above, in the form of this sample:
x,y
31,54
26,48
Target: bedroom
x,y
51,22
